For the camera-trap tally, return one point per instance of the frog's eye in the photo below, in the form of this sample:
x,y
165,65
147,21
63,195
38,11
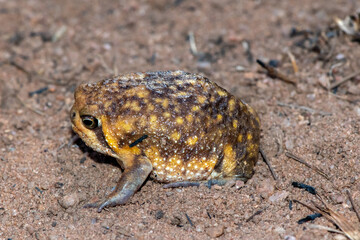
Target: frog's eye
x,y
89,121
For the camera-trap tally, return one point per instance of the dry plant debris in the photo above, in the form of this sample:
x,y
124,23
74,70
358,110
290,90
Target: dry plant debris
x,y
348,228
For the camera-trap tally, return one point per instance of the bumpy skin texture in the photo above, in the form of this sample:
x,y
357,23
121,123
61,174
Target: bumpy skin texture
x,y
173,125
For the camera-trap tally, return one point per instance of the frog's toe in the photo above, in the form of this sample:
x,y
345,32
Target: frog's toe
x,y
181,184
92,205
100,205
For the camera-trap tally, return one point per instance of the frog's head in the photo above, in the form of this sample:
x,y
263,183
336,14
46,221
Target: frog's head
x,y
86,117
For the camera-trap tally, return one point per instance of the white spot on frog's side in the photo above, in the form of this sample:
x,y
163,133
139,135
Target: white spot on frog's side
x,y
140,75
214,174
178,73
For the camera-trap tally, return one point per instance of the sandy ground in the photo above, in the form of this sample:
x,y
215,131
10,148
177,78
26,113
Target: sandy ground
x,y
47,48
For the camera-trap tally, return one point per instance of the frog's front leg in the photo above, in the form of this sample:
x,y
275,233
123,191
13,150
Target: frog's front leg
x,y
130,181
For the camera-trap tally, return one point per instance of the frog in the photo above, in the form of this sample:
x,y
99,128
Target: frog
x,y
173,127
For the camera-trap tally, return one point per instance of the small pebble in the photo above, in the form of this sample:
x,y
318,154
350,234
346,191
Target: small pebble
x,y
265,188
177,220
107,223
159,214
340,56
274,63
53,237
69,200
203,65
107,46
31,185
337,198
324,81
215,231
230,183
44,185
239,184
357,110
58,185
340,237
29,228
280,230
168,194
289,238
278,196
240,68
289,144
199,228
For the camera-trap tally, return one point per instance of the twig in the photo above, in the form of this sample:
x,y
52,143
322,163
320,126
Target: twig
x,y
353,205
308,188
349,229
247,47
256,213
192,42
293,61
345,98
308,218
315,226
189,220
38,91
334,85
307,206
298,159
59,33
275,73
281,104
21,68
332,70
268,163
72,140
29,107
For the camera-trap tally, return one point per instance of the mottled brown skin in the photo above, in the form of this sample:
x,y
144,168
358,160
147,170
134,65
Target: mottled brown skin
x,y
174,126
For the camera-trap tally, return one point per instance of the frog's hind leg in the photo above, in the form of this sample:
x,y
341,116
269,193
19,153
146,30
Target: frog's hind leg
x,y
182,184
208,183
130,181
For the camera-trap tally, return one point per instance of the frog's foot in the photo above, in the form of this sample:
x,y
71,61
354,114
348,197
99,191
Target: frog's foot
x,y
112,200
208,183
130,181
92,205
182,184
219,182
